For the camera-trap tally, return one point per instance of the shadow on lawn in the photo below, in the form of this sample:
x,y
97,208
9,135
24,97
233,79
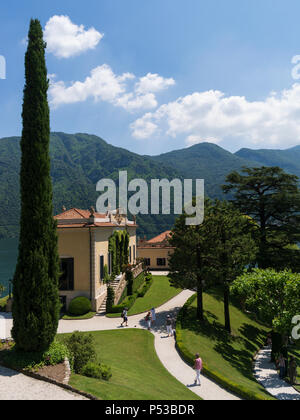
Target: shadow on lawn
x,y
237,351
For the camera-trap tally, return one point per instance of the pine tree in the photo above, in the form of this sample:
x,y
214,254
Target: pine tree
x,y
271,197
190,263
229,234
35,286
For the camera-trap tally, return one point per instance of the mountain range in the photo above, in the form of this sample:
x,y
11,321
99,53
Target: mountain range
x,y
79,161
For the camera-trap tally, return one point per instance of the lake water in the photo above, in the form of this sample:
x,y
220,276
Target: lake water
x,y
8,260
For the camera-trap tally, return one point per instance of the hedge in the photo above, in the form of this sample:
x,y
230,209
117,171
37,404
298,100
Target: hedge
x,y
237,389
137,283
129,301
143,290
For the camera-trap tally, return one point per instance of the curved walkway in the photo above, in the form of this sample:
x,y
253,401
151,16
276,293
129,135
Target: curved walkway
x,y
165,347
267,376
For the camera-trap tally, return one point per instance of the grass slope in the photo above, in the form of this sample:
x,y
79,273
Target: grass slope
x,y
137,372
229,356
296,352
159,293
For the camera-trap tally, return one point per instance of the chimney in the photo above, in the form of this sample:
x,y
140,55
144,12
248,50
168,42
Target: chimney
x,y
92,216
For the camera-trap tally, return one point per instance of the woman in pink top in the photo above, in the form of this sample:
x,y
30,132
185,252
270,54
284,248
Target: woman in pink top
x,y
198,368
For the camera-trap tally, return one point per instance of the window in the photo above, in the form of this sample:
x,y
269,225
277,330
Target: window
x,y
161,262
66,281
134,254
147,262
101,267
130,255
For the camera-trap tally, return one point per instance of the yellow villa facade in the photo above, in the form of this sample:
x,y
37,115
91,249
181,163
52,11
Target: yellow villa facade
x,y
83,246
156,252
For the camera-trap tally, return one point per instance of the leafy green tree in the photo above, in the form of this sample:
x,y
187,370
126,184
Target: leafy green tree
x,y
232,245
190,263
273,296
2,288
271,197
35,286
83,348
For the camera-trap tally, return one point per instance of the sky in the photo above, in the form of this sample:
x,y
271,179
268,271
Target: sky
x,y
154,76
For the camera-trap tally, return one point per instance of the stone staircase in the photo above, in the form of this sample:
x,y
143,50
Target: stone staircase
x,y
114,285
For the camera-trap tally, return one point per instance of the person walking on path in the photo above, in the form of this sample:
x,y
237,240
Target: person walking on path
x,y
174,327
293,370
148,319
282,366
153,316
198,368
125,317
169,326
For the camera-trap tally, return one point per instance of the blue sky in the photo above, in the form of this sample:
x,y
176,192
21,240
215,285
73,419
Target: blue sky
x,y
176,72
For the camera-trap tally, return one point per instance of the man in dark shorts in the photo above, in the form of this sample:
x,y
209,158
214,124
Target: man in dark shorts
x,y
125,317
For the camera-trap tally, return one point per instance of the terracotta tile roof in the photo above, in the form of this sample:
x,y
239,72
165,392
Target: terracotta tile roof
x,y
76,218
78,214
160,238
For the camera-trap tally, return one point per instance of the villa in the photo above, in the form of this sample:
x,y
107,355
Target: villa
x,y
83,246
156,251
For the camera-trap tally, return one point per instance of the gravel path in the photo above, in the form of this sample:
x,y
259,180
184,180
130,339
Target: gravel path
x,y
267,375
15,386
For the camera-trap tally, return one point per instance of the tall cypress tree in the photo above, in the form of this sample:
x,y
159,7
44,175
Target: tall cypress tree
x,y
35,286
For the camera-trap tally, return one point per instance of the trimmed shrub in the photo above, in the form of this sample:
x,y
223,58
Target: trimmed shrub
x,y
106,372
80,306
57,353
97,371
92,370
149,277
138,282
129,279
145,288
110,299
82,347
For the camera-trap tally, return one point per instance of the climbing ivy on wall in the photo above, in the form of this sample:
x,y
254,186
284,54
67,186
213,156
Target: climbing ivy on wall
x,y
119,249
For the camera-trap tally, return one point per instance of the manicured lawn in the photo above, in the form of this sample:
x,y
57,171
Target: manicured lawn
x,y
229,356
69,317
137,372
159,293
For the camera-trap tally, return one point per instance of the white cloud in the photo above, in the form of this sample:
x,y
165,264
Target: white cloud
x,y
211,116
152,83
133,102
143,128
102,85
65,39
